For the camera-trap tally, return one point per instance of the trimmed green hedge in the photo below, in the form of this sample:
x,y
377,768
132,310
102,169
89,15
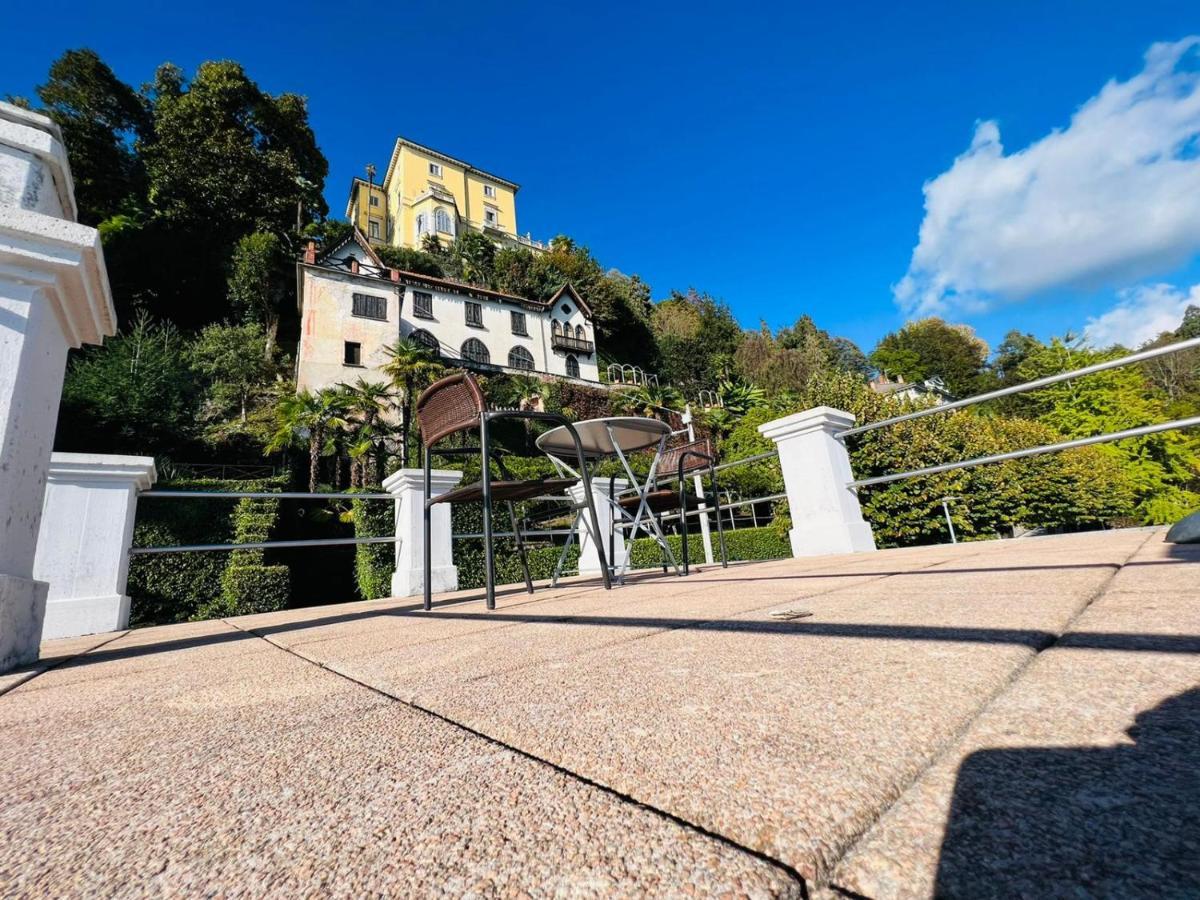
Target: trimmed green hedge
x,y
178,587
743,544
469,557
374,563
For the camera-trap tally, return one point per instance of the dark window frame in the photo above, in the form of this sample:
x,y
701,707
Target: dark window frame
x,y
368,306
477,308
352,354
519,325
487,354
419,311
572,362
526,364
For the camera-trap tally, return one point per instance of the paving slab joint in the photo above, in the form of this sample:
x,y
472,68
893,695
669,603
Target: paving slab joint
x,y
792,873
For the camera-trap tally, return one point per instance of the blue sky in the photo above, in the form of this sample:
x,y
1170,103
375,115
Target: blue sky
x,y
773,157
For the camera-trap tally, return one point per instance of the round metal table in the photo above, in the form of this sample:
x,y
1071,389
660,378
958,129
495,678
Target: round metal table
x,y
612,436
605,437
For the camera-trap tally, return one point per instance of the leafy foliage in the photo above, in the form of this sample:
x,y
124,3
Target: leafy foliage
x,y
930,348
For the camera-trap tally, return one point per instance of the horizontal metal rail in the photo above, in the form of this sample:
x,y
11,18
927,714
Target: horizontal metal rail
x,y
757,457
262,545
1032,451
555,532
1028,386
265,495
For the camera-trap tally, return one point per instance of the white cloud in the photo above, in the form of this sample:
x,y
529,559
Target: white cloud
x,y
1142,314
1110,199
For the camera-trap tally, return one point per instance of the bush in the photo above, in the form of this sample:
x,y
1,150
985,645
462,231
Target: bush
x,y
469,556
178,587
374,563
744,544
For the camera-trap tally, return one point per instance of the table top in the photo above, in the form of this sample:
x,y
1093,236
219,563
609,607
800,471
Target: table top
x,y
597,435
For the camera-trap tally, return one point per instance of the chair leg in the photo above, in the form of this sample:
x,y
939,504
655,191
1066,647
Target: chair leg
x,y
427,551
486,477
716,489
683,518
512,517
658,519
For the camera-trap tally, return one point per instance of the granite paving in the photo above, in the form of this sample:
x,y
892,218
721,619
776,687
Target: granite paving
x,y
999,718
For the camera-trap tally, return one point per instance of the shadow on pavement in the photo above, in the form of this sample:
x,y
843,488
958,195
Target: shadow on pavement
x,y
1119,821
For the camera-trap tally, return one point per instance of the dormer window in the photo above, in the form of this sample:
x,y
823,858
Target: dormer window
x,y
435,170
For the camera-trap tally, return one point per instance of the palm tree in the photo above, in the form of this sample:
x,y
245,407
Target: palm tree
x,y
522,392
366,404
409,366
648,400
308,416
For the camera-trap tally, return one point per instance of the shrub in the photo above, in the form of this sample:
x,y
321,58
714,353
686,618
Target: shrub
x,y
744,544
469,556
374,563
177,587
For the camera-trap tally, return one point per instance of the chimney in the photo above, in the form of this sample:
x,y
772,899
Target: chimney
x,y
310,252
395,273
354,265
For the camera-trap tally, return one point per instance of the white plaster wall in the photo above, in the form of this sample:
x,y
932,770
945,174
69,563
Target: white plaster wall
x,y
328,322
557,365
449,326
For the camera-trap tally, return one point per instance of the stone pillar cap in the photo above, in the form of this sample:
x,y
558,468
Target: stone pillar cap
x,y
824,418
40,136
409,479
103,467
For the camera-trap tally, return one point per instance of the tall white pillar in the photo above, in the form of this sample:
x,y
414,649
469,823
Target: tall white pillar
x,y
589,560
86,533
826,516
54,295
408,487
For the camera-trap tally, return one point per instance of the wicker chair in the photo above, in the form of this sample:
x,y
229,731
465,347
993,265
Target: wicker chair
x,y
681,461
454,405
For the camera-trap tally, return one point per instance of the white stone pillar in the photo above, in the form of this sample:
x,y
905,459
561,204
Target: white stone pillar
x,y
826,517
589,560
54,295
408,487
86,533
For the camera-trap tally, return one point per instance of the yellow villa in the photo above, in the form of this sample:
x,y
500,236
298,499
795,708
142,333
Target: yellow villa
x,y
427,193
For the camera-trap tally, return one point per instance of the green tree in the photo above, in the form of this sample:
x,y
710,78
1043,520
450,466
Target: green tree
x,y
238,378
410,366
408,260
697,340
133,394
931,347
100,117
261,281
367,428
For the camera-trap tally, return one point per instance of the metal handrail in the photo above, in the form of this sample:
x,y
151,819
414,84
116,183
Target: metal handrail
x,y
1028,386
1032,451
267,495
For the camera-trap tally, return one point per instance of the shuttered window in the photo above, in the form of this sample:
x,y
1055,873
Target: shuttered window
x,y
368,306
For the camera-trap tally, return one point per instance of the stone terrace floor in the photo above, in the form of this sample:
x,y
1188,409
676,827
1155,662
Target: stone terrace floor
x,y
997,719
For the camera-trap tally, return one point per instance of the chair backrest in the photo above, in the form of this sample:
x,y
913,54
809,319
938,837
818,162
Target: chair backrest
x,y
668,463
451,404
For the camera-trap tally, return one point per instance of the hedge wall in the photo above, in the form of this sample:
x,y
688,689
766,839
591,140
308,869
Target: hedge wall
x,y
469,557
374,563
178,587
744,544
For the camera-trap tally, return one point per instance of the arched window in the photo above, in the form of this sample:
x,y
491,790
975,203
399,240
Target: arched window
x,y
572,366
441,221
422,224
474,350
520,358
579,332
426,340
556,328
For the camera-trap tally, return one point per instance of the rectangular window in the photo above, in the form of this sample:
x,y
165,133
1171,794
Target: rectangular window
x,y
489,190
353,354
422,305
367,306
435,169
373,229
374,200
489,216
474,314
518,323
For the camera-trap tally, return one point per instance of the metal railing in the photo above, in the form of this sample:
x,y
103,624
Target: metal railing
x,y
1131,359
262,545
579,345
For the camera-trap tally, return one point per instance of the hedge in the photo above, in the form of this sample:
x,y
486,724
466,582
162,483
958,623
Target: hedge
x,y
177,587
467,518
374,563
744,544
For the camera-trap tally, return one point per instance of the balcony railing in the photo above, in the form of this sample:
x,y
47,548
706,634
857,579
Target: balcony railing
x,y
575,345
